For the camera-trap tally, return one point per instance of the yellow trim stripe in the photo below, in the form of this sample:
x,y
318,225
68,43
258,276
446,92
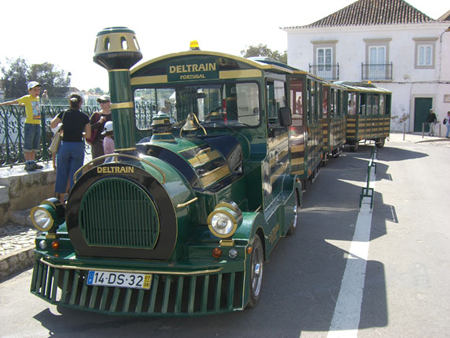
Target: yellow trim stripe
x,y
233,74
148,80
118,70
122,105
154,272
204,158
214,176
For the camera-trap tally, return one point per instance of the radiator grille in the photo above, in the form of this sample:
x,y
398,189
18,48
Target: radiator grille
x,y
116,212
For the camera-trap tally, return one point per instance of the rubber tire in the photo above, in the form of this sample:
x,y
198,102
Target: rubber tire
x,y
294,224
256,273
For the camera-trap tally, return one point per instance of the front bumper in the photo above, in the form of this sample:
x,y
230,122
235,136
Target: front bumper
x,y
174,291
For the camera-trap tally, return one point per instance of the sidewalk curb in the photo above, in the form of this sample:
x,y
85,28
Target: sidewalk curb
x,y
16,262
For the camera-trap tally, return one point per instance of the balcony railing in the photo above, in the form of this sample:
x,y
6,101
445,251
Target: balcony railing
x,y
376,72
327,72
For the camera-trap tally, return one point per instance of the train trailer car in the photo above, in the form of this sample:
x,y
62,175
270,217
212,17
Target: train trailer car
x,y
369,114
307,125
181,218
334,114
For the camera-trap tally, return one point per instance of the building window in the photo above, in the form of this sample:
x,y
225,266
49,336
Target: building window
x,y
324,59
377,57
377,66
325,65
425,51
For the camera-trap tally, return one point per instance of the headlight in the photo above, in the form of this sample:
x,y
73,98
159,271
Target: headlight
x,y
43,217
224,220
48,215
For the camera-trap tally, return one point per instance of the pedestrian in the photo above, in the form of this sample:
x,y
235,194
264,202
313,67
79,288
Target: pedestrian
x,y
447,123
431,120
108,140
97,121
70,158
45,99
32,127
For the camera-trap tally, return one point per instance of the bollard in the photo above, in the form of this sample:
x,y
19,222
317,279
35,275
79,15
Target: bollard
x,y
367,191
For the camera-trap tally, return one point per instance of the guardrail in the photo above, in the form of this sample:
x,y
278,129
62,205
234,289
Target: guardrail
x,y
12,119
367,191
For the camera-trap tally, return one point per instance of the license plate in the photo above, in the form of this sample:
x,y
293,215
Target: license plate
x,y
120,279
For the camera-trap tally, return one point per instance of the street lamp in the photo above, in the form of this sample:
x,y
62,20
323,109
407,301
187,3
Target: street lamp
x,y
440,38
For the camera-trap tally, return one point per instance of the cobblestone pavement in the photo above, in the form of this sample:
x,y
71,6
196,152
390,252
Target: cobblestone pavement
x,y
16,249
16,238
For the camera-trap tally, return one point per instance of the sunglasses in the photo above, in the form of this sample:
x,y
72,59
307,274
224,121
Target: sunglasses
x,y
103,101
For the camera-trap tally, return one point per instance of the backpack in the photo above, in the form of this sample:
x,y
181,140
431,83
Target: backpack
x,y
445,121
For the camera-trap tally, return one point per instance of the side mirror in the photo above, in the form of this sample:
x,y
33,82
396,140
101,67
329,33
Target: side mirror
x,y
284,116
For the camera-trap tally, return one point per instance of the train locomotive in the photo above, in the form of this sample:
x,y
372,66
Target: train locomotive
x,y
212,154
181,218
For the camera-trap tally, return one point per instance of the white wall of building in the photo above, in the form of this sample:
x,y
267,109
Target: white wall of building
x,y
408,81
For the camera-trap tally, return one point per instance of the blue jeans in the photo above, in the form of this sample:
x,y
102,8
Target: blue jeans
x,y
448,129
70,158
32,137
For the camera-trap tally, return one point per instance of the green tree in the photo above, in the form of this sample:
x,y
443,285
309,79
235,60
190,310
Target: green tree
x,y
263,50
15,78
55,81
97,90
18,73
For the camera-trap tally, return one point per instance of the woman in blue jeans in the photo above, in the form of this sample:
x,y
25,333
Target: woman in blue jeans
x,y
447,123
70,157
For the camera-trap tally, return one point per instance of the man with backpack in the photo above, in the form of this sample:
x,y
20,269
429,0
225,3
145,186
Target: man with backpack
x,y
431,120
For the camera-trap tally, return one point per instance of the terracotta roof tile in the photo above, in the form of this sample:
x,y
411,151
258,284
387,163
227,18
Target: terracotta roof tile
x,y
372,12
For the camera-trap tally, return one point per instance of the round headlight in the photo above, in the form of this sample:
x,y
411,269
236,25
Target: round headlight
x,y
42,217
222,223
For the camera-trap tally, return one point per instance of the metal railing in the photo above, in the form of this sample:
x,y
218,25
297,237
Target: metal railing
x,y
325,71
376,72
12,119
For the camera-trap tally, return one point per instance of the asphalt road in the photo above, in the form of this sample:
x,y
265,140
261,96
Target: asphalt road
x,y
405,273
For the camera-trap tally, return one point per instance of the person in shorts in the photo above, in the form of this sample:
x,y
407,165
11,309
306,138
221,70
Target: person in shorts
x,y
32,128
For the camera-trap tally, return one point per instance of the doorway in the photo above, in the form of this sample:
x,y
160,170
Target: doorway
x,y
422,106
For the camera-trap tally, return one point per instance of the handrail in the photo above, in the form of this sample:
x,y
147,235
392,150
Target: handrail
x,y
12,119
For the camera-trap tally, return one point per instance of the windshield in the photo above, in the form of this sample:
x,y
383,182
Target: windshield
x,y
215,105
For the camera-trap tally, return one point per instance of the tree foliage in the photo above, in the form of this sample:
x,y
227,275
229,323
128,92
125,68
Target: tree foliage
x,y
55,81
19,73
97,90
15,77
263,50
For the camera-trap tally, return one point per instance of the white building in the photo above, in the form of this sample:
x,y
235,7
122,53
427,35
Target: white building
x,y
387,42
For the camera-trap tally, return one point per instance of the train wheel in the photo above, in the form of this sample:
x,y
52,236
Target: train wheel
x,y
256,272
294,224
379,143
